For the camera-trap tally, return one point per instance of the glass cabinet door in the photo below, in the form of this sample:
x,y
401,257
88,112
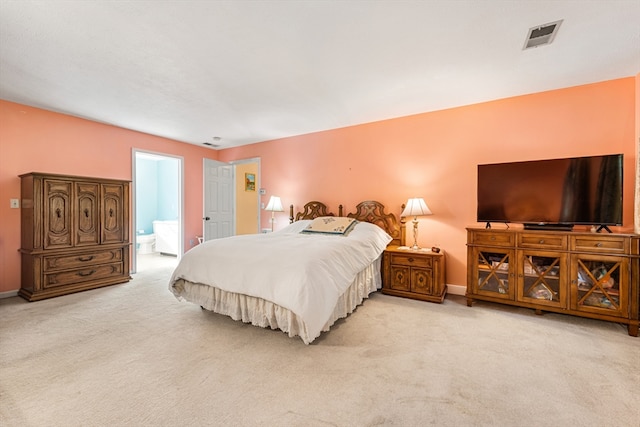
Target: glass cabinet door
x,y
494,273
595,284
541,278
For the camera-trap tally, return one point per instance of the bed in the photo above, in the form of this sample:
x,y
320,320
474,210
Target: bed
x,y
297,280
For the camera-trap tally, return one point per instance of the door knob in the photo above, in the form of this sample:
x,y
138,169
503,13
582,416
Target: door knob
x,y
206,218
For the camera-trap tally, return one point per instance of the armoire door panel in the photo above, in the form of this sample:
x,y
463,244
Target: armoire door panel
x,y
112,213
86,214
57,224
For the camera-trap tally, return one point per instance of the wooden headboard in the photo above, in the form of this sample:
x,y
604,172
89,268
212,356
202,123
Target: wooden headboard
x,y
367,211
312,210
373,212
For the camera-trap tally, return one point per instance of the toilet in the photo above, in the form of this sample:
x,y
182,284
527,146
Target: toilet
x,y
146,243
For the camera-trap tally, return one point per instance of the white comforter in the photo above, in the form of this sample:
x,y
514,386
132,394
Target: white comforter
x,y
303,273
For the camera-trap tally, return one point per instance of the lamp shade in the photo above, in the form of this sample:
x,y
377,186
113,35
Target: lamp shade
x,y
416,207
274,205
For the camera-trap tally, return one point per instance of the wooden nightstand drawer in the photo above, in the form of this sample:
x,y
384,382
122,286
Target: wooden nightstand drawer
x,y
412,260
542,241
600,244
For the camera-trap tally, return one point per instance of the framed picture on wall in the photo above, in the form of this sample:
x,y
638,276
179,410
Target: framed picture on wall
x,y
249,182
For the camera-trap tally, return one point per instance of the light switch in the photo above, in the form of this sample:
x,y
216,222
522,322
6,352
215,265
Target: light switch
x,y
14,203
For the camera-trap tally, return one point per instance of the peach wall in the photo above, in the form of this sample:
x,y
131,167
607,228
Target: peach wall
x,y
32,139
435,155
637,206
432,155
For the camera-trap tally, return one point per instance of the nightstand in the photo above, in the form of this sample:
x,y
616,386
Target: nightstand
x,y
417,274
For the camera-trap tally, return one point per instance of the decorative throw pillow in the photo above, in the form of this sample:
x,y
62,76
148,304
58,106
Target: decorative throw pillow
x,y
331,225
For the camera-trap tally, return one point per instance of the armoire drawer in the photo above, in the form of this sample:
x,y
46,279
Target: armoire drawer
x,y
81,275
83,259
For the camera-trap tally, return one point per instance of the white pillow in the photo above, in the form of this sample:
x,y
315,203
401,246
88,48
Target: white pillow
x,y
372,234
295,227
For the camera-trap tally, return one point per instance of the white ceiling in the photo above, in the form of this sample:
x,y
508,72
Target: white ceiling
x,y
251,71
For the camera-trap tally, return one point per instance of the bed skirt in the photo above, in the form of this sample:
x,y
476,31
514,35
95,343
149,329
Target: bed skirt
x,y
262,313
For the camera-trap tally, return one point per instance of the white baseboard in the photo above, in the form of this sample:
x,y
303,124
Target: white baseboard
x,y
8,294
456,289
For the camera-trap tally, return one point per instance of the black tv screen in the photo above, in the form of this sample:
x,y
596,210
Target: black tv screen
x,y
571,191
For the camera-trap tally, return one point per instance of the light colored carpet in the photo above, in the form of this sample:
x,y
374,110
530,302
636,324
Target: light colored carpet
x,y
132,355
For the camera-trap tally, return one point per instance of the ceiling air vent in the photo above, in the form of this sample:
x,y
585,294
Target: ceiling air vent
x,y
216,139
542,34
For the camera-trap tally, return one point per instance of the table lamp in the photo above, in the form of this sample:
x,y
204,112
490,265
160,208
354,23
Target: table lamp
x,y
416,207
274,205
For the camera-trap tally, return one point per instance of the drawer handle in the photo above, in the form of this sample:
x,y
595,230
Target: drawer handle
x,y
493,237
410,259
599,244
85,259
541,241
85,274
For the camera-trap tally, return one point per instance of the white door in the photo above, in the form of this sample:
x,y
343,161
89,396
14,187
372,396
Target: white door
x,y
219,192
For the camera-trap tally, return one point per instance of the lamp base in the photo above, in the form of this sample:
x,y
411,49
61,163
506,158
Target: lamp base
x,y
415,234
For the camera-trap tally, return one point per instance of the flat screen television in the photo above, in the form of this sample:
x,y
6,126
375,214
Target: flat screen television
x,y
555,193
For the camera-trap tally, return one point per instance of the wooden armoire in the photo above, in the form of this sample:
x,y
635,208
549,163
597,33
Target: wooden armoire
x,y
74,233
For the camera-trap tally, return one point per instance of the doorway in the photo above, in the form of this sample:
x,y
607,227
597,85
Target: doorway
x,y
158,210
231,198
247,203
